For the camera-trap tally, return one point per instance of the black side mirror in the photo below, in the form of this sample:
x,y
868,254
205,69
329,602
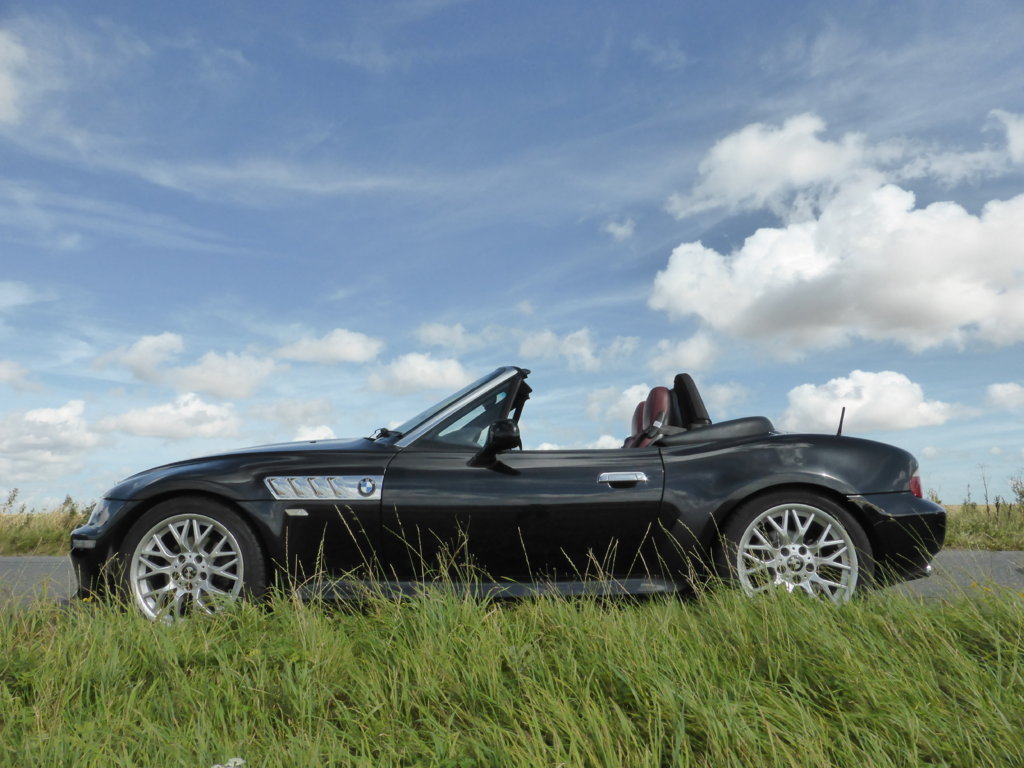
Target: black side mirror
x,y
502,435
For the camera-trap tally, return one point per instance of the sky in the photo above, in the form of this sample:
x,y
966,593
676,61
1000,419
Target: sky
x,y
234,223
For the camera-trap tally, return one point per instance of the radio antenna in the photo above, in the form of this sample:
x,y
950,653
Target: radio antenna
x,y
842,416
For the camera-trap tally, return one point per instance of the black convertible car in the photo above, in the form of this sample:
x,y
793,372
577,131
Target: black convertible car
x,y
682,499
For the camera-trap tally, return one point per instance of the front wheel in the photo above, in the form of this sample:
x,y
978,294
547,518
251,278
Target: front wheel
x,y
190,554
795,541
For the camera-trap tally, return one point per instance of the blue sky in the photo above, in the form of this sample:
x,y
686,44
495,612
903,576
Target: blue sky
x,y
230,223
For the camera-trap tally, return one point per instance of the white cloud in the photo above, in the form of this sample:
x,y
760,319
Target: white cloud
x,y
230,375
613,404
145,357
620,230
760,165
723,397
42,443
1014,125
854,258
441,335
295,414
874,402
416,371
1008,395
305,418
188,416
696,353
321,432
604,442
13,373
578,348
12,58
872,266
338,346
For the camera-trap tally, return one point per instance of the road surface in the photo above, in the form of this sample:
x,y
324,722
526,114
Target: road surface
x,y
22,578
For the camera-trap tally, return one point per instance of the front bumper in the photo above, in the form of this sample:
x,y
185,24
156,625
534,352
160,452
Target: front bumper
x,y
92,549
906,533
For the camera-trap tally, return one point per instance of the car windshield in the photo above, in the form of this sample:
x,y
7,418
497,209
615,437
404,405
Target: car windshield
x,y
429,413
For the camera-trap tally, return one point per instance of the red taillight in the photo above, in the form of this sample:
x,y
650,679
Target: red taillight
x,y
915,485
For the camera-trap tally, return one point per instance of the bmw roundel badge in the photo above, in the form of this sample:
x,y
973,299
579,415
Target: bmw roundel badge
x,y
367,487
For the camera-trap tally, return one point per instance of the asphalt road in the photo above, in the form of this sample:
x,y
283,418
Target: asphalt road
x,y
22,578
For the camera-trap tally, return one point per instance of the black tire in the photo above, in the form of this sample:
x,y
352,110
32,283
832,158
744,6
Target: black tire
x,y
190,554
795,540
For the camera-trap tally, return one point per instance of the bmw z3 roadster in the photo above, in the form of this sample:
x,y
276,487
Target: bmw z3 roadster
x,y
682,499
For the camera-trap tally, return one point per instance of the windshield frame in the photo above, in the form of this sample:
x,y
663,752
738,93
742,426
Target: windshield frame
x,y
424,422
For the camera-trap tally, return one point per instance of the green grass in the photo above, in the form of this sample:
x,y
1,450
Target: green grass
x,y
446,681
31,532
993,527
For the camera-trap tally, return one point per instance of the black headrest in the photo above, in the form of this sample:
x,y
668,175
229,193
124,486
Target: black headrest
x,y
691,407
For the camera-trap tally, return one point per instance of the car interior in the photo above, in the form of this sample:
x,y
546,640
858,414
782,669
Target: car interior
x,y
678,416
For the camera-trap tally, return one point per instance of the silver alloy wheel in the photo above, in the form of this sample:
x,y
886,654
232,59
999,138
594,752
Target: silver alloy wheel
x,y
184,563
797,547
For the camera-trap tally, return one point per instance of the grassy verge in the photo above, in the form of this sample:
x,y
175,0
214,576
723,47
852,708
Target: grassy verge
x,y
980,526
443,681
31,532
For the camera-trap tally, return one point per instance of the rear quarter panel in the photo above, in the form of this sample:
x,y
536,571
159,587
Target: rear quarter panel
x,y
704,483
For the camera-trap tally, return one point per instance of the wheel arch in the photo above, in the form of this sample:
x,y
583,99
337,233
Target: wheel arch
x,y
727,510
145,505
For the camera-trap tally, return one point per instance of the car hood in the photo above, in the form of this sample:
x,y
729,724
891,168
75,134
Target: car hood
x,y
228,472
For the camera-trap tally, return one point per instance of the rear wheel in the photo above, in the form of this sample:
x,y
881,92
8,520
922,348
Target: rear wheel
x,y
797,541
190,554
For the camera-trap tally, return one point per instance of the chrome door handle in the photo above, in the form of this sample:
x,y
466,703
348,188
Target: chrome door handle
x,y
622,477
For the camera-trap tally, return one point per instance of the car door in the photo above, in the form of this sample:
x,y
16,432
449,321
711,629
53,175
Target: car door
x,y
532,515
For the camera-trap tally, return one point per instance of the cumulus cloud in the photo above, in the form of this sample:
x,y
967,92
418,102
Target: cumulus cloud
x,y
871,266
1008,395
338,346
320,432
874,402
612,404
186,417
620,230
230,375
723,397
146,356
578,348
441,335
306,419
696,353
415,371
761,166
37,444
855,257
456,337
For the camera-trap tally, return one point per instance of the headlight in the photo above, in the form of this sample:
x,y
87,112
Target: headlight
x,y
100,513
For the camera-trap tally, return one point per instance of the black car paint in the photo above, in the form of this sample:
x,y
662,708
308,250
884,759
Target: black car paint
x,y
534,514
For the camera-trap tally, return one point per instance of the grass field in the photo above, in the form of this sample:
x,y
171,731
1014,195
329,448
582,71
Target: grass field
x,y
444,681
